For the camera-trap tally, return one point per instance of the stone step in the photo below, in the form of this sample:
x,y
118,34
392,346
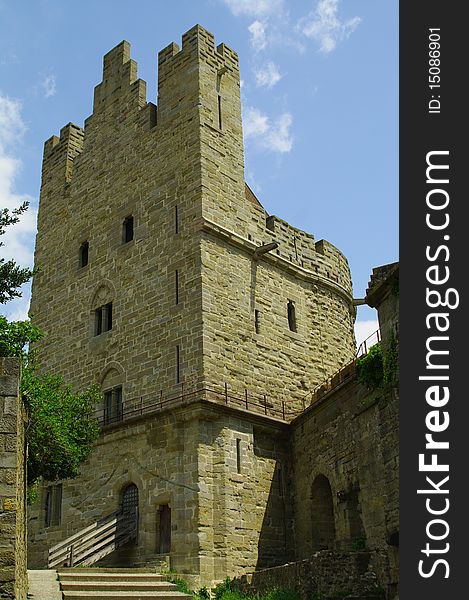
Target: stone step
x,y
120,595
122,585
98,575
107,570
114,584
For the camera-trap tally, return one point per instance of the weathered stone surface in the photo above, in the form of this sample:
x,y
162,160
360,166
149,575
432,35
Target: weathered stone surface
x,y
212,362
326,575
13,578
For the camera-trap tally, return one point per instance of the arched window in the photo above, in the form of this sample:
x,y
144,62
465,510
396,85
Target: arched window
x,y
102,311
128,229
291,315
83,254
322,514
112,397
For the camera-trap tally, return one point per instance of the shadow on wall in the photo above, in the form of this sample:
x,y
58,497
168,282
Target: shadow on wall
x,y
275,537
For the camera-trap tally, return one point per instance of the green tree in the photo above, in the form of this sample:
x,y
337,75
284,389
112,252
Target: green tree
x,y
61,429
12,276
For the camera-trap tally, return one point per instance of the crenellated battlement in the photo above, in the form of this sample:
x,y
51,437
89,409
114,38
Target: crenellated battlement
x,y
197,38
198,106
158,274
120,98
59,152
120,81
300,248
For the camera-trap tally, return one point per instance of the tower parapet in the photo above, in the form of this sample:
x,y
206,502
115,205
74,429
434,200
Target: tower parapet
x,y
60,152
151,283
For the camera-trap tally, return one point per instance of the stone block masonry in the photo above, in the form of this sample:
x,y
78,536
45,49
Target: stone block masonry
x,y
13,576
172,295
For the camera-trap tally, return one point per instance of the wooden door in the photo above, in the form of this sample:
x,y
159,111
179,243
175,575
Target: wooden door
x,y
165,529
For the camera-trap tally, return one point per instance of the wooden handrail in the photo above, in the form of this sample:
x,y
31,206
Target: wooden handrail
x,y
95,541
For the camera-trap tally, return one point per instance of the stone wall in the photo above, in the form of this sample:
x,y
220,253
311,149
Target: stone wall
x,y
181,176
246,322
222,473
350,438
326,575
193,304
13,576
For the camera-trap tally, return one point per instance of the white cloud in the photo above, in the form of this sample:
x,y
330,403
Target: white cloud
x,y
254,8
49,86
268,76
18,239
11,123
324,25
274,136
255,123
258,35
364,329
279,137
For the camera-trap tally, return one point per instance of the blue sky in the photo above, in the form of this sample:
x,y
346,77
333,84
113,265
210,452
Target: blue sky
x,y
320,105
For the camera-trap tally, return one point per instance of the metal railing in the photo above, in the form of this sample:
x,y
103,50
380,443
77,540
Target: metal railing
x,y
245,399
371,340
95,541
343,374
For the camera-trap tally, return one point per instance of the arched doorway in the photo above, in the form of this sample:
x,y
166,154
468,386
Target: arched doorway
x,y
322,514
129,504
164,529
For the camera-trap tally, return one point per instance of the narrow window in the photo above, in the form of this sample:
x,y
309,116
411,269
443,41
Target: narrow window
x,y
107,316
178,365
103,319
257,320
48,519
238,455
98,319
53,506
107,406
176,219
57,505
83,254
113,405
219,100
176,282
128,229
291,315
219,111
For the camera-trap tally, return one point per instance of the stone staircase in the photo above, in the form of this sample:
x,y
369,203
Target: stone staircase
x,y
116,584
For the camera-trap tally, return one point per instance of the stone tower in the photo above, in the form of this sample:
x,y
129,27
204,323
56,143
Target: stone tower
x,y
204,320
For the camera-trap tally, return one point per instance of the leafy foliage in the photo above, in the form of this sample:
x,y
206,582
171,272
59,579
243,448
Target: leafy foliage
x,y
379,368
391,363
182,585
15,336
359,544
228,590
61,430
281,594
222,588
11,275
370,367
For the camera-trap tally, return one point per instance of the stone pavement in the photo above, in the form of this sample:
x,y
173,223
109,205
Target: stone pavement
x,y
43,585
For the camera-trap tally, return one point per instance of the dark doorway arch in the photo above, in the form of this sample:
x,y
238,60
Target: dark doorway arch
x,y
129,504
322,514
